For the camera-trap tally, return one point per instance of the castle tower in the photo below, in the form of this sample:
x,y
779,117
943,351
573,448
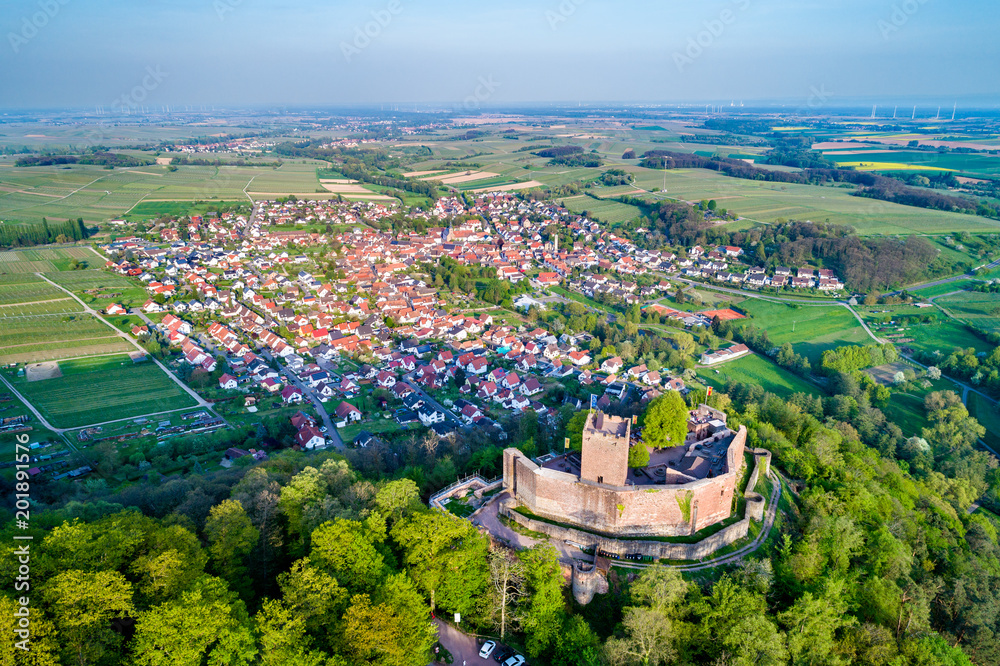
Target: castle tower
x,y
605,449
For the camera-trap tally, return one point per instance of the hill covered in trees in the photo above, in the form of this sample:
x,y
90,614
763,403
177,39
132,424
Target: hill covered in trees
x,y
304,560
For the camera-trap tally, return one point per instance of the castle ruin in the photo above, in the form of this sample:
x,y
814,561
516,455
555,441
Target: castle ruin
x,y
682,490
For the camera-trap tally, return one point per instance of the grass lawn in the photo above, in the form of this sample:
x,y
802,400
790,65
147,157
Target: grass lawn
x,y
757,370
811,329
103,389
350,432
580,298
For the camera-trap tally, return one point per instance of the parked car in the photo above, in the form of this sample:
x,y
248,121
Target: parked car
x,y
502,654
487,649
516,660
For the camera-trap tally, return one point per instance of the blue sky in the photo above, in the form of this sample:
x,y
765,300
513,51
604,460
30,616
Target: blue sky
x,y
285,52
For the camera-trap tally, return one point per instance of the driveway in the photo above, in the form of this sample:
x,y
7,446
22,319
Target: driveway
x,y
463,647
489,518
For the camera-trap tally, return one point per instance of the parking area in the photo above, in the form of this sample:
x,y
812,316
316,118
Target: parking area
x,y
463,647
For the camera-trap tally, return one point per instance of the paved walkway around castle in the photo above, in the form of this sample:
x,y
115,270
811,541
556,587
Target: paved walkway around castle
x,y
490,519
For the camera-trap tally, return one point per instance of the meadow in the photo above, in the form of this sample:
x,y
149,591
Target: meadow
x,y
102,389
942,289
978,309
756,370
811,329
607,210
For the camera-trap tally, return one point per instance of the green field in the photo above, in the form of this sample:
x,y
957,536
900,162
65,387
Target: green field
x,y
767,202
606,210
47,337
811,329
38,322
942,289
945,336
978,309
907,411
97,194
974,163
757,370
103,389
985,411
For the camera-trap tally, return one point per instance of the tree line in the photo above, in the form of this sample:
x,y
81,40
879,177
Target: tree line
x,y
26,235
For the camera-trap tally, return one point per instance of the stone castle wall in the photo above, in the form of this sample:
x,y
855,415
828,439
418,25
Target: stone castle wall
x,y
667,510
658,549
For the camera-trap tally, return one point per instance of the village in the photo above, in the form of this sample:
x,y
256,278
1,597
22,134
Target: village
x,y
287,318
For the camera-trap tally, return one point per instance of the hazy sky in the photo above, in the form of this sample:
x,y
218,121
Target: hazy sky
x,y
287,52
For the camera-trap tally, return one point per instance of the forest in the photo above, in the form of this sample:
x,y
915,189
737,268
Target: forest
x,y
305,560
864,264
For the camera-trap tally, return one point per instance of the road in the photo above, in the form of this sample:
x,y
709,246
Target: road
x,y
201,401
449,415
38,415
331,431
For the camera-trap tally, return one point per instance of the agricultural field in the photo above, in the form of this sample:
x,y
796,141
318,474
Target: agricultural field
x,y
754,369
43,260
47,337
608,211
102,389
767,202
39,322
99,289
811,329
981,310
915,160
97,194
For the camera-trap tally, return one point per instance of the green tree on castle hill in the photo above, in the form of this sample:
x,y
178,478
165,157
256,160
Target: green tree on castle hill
x,y
665,421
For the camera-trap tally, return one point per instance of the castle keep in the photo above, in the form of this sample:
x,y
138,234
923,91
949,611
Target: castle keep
x,y
683,489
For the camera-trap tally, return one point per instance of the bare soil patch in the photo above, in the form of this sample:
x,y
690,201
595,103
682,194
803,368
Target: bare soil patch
x,y
36,372
883,374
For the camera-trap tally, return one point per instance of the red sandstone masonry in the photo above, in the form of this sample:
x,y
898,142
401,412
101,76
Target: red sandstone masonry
x,y
621,510
657,549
